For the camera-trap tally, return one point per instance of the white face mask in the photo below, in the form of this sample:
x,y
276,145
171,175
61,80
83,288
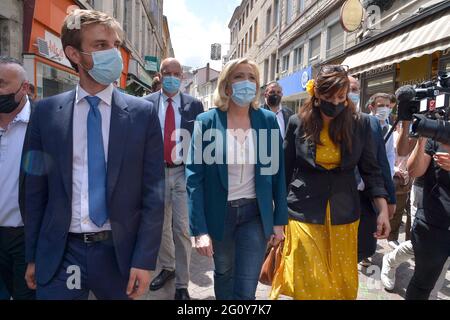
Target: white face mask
x,y
383,113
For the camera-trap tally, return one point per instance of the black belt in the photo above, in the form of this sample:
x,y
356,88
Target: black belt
x,y
240,202
92,237
172,165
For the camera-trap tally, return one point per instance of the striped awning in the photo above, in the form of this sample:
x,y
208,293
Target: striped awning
x,y
425,37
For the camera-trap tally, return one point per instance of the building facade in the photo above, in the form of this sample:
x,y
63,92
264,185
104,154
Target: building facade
x,y
143,24
410,45
147,38
203,85
399,42
11,25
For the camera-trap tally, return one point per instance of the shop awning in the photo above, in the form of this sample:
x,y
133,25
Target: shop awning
x,y
134,79
425,37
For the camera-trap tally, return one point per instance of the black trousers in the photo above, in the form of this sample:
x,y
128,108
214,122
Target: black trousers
x,y
431,249
367,243
12,265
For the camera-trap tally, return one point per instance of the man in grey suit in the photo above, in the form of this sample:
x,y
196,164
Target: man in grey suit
x,y
177,112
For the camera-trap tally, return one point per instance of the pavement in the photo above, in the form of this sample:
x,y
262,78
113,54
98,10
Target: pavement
x,y
370,287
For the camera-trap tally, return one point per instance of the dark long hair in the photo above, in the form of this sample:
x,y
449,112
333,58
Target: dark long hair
x,y
330,80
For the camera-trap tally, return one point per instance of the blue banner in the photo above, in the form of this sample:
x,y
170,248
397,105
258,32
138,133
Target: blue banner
x,y
296,82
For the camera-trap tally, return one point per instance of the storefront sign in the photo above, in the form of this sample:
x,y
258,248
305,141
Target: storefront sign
x,y
377,71
55,49
144,76
296,82
151,64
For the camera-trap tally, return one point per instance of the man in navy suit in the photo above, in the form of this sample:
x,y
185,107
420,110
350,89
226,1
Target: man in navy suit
x,y
367,243
177,112
94,187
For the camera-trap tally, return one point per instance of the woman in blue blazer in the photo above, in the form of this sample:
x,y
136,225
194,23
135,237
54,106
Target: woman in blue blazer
x,y
236,182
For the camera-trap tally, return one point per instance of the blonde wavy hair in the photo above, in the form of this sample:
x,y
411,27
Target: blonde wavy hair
x,y
221,99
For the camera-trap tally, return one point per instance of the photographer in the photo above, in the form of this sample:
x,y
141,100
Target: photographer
x,y
431,230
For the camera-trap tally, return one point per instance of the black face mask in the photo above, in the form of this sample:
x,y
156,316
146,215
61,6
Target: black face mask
x,y
8,102
330,109
273,100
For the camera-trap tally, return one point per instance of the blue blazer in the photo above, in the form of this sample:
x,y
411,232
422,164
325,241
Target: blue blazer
x,y
190,108
207,185
135,183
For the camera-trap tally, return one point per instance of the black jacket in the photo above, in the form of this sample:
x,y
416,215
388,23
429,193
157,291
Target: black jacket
x,y
312,186
287,113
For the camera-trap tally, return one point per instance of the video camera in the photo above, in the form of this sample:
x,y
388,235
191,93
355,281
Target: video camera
x,y
428,106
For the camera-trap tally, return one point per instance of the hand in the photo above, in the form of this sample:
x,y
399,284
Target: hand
x,y
203,244
138,283
30,277
442,159
391,210
277,236
383,226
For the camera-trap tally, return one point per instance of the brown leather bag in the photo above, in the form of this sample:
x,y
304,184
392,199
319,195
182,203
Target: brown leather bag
x,y
271,263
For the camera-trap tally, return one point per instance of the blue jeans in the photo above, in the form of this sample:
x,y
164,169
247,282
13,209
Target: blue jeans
x,y
239,256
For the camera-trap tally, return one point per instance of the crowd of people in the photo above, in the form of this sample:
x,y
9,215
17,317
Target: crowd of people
x,y
98,187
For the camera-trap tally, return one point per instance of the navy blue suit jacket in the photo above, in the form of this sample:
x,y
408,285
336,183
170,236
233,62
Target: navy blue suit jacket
x,y
190,108
135,183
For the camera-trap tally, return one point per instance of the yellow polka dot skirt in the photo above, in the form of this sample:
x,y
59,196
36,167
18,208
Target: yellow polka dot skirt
x,y
319,261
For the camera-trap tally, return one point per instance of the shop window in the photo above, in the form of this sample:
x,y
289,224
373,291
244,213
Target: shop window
x,y
335,41
298,57
285,65
289,11
276,9
268,20
52,81
314,48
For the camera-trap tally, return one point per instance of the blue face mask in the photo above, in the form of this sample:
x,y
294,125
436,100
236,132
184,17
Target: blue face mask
x,y
171,84
355,98
108,66
244,92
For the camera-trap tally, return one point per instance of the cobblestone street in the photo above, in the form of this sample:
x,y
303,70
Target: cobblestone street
x,y
370,287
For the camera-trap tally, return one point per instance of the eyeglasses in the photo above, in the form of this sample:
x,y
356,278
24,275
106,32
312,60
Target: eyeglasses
x,y
334,68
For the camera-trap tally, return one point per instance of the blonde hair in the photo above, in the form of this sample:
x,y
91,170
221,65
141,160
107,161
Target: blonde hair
x,y
221,99
77,19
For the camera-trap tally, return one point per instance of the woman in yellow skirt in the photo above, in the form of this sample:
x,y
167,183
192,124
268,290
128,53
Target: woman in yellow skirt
x,y
324,145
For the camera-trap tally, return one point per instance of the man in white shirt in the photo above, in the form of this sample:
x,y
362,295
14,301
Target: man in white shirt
x,y
379,106
15,112
273,95
177,112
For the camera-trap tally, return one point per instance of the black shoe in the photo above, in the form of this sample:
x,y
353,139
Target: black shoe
x,y
161,279
182,294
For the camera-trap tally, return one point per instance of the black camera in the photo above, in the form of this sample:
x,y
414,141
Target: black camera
x,y
422,99
432,120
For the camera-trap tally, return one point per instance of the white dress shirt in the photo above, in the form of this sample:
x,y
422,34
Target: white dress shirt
x,y
390,148
11,145
280,120
81,223
176,104
241,160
